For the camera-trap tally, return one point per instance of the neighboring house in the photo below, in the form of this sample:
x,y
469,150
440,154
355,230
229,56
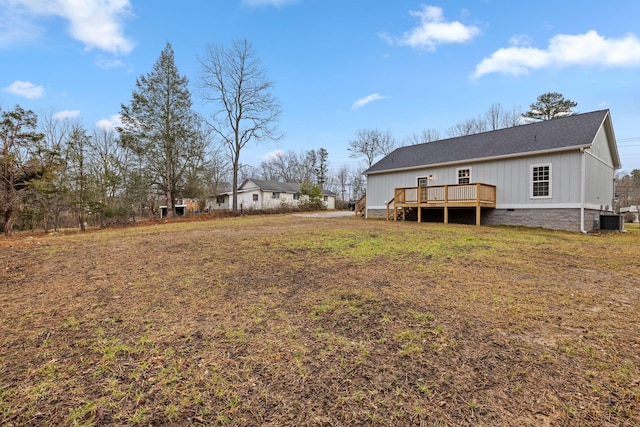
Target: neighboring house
x,y
182,207
632,212
259,194
554,174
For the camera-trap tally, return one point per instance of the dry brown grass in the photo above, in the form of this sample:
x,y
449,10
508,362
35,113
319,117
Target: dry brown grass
x,y
284,320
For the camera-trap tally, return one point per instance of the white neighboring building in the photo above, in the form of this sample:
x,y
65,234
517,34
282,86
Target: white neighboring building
x,y
258,194
633,210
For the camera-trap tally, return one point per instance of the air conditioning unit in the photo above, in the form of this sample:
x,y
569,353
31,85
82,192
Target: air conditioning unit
x,y
611,222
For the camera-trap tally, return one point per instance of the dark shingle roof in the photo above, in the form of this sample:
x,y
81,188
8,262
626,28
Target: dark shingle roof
x,y
282,187
563,133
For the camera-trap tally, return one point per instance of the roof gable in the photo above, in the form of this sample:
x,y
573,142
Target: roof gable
x,y
551,135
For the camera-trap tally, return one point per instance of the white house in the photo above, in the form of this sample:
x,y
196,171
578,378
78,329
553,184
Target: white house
x,y
259,194
632,211
555,174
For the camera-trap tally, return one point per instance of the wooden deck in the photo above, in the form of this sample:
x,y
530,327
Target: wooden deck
x,y
441,196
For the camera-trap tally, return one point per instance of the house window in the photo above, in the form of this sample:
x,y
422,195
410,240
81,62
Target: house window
x,y
255,197
220,200
540,181
464,175
275,195
423,182
296,196
326,198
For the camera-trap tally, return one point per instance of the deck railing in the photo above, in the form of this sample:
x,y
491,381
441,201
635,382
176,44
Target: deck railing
x,y
476,195
451,195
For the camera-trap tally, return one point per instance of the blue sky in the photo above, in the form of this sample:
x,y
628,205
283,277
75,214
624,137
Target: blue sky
x,y
338,65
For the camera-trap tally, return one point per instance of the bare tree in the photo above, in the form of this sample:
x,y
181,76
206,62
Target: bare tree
x,y
217,170
48,189
426,135
358,184
512,117
106,162
234,81
467,127
494,116
370,144
281,166
341,181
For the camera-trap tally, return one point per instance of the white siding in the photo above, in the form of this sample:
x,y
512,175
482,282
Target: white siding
x,y
266,201
512,178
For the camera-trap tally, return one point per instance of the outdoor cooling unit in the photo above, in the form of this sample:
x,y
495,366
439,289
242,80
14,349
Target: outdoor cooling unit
x,y
611,222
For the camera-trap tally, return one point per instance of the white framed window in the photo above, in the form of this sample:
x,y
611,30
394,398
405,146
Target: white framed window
x,y
296,196
275,195
463,175
541,181
423,182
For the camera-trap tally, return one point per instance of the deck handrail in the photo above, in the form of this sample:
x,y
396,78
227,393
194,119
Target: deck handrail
x,y
389,204
446,194
476,195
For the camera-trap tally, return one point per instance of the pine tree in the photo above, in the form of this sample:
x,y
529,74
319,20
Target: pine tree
x,y
550,105
160,127
17,133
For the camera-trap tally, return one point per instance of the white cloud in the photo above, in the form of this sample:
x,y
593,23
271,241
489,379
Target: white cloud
x,y
106,63
434,30
25,89
66,114
366,100
564,51
275,3
273,155
95,23
109,124
15,28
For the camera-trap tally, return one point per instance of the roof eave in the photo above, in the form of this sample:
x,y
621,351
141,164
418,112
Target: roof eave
x,y
611,138
481,159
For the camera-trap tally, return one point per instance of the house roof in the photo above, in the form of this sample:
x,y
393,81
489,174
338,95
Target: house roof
x,y
572,132
280,187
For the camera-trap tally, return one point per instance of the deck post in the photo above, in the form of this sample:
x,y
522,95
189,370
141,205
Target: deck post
x,y
478,208
446,214
419,204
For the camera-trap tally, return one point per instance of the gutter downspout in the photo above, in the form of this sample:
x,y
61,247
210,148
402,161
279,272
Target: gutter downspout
x,y
582,189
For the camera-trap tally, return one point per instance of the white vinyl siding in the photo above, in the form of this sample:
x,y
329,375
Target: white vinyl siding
x,y
512,178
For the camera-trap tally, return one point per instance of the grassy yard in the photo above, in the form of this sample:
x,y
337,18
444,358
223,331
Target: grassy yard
x,y
291,321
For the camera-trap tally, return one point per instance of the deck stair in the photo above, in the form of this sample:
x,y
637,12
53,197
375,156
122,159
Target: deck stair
x,y
361,205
